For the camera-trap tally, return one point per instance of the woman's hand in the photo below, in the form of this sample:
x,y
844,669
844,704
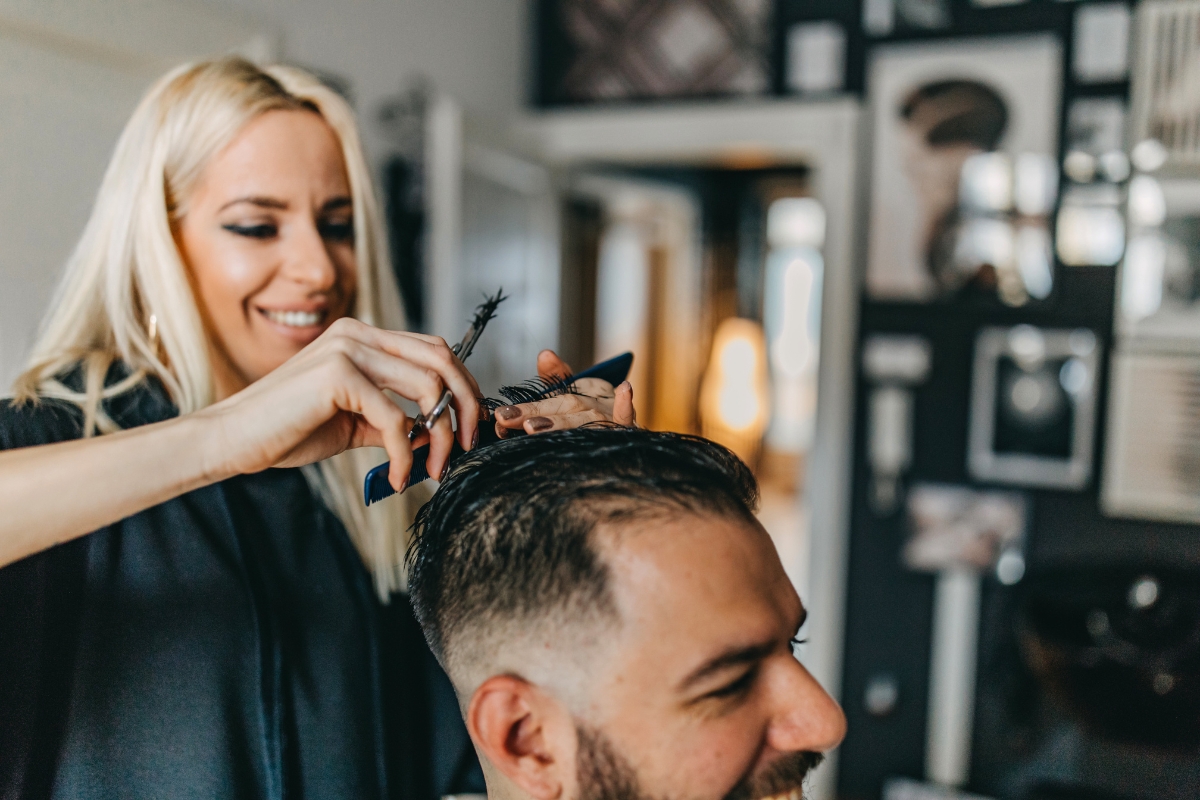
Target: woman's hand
x,y
596,401
330,397
327,398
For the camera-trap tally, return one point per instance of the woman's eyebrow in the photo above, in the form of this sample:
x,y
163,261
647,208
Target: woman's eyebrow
x,y
336,203
261,202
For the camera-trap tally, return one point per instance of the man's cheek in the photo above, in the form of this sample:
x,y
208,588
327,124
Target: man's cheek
x,y
708,765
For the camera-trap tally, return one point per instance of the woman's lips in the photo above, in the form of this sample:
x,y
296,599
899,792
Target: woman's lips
x,y
297,325
294,319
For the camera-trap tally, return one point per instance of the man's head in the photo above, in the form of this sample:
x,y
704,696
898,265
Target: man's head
x,y
616,623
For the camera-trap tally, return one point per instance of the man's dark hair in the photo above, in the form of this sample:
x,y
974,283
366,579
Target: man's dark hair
x,y
957,112
507,537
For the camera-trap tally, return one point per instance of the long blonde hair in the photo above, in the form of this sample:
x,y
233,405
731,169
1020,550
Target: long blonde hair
x,y
126,295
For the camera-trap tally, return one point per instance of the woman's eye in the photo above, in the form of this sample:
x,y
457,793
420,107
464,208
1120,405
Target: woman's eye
x,y
337,231
263,231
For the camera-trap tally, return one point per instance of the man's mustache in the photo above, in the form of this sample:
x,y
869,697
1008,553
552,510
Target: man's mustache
x,y
782,777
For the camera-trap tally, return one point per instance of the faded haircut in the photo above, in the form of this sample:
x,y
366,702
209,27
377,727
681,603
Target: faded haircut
x,y
506,546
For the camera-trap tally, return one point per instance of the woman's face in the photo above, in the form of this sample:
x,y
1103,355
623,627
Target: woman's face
x,y
268,235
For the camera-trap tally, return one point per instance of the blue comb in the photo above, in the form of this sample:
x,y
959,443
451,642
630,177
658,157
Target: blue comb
x,y
376,486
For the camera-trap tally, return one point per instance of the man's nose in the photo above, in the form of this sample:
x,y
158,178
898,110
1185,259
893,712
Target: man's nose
x,y
308,261
805,717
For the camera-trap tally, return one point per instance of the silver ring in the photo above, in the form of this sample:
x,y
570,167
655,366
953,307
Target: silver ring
x,y
432,417
423,422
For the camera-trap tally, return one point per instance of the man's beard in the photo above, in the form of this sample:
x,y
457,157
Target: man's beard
x,y
605,774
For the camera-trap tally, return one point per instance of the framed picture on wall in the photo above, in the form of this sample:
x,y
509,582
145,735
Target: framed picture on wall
x,y
963,175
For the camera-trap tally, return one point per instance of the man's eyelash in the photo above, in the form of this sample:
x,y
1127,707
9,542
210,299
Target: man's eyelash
x,y
796,641
737,687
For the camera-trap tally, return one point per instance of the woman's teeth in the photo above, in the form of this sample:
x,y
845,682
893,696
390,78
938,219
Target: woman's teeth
x,y
295,319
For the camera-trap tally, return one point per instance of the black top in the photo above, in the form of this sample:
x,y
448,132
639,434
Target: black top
x,y
224,644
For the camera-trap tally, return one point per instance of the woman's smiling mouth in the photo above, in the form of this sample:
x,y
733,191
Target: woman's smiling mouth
x,y
300,326
294,319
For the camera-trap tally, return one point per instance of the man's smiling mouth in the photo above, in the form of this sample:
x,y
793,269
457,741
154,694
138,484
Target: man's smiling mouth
x,y
783,780
794,794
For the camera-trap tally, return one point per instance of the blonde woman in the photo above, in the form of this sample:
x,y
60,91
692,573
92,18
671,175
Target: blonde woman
x,y
177,618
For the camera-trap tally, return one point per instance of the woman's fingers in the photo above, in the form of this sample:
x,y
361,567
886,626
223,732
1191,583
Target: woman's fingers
x,y
424,386
359,395
564,422
338,394
430,352
441,443
436,355
596,401
594,387
623,410
513,417
439,341
465,392
550,367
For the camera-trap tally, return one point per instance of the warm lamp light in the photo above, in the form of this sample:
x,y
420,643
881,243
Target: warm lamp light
x,y
734,392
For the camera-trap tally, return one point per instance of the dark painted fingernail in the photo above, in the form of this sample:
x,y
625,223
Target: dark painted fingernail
x,y
475,437
508,412
539,424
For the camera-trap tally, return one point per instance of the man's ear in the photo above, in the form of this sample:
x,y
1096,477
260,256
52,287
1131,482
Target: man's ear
x,y
526,734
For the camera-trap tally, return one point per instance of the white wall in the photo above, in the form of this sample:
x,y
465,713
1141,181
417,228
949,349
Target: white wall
x,y
70,75
474,50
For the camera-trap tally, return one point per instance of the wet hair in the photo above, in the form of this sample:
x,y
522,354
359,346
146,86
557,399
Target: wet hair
x,y
506,544
957,112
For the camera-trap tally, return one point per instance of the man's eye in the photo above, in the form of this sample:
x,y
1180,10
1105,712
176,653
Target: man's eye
x,y
740,686
264,231
795,643
337,231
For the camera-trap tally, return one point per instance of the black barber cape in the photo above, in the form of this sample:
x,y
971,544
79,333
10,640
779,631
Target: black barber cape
x,y
225,644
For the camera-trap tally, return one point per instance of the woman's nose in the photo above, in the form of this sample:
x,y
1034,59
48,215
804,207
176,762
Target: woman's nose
x,y
805,717
307,259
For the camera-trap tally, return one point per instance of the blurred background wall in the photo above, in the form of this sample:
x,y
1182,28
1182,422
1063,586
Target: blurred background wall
x,y
476,51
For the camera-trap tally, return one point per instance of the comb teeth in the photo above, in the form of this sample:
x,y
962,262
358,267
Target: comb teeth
x,y
536,389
